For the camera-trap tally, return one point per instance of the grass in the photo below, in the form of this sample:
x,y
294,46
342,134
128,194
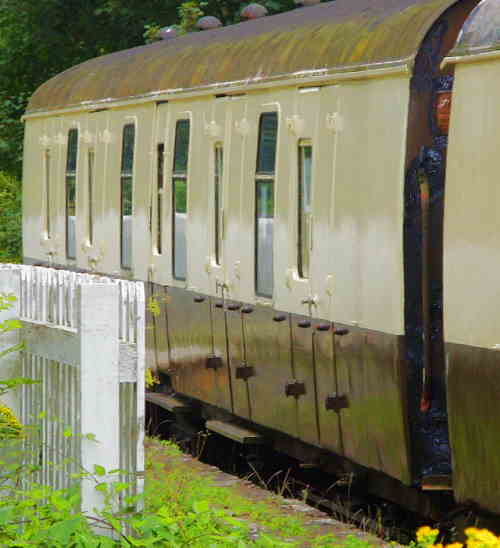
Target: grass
x,y
174,481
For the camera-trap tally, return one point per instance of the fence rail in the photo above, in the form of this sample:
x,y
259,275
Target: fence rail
x,y
84,338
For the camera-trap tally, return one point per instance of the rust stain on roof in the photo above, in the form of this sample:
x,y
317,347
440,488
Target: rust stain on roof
x,y
331,37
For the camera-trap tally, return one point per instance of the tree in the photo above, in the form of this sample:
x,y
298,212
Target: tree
x,y
41,39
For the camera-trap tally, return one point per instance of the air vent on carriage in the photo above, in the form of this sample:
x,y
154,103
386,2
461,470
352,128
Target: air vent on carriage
x,y
208,23
254,11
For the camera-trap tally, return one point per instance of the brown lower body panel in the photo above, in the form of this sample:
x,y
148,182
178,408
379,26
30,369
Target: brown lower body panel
x,y
473,393
279,370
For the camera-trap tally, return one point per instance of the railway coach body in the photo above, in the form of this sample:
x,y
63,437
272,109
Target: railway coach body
x,y
471,259
264,178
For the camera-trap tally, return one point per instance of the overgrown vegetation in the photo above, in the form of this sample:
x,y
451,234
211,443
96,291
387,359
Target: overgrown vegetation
x,y
10,219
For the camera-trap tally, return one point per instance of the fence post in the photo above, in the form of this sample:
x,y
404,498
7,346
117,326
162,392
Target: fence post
x,y
98,306
10,365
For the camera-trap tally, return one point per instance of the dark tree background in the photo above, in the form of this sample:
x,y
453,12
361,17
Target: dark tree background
x,y
40,38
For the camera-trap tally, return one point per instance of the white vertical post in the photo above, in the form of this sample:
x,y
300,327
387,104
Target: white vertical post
x,y
100,395
10,365
141,381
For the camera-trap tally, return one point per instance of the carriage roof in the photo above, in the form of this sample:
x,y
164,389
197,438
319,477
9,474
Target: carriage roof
x,y
300,45
480,34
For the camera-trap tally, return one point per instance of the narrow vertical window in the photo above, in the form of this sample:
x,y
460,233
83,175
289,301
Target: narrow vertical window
x,y
126,187
304,208
264,204
47,193
159,196
71,164
218,203
179,199
90,194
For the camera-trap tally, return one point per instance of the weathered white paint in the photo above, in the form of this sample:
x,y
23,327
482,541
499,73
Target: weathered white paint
x,y
99,374
9,365
85,341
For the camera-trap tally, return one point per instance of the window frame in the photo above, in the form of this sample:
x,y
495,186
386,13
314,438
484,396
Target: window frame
x,y
160,193
301,146
71,174
91,160
218,151
176,176
126,174
47,165
267,177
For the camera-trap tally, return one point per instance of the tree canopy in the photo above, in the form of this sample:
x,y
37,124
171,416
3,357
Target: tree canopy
x,y
40,39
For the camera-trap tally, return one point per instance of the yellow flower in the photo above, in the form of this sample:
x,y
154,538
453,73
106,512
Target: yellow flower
x,y
10,427
455,545
426,535
481,538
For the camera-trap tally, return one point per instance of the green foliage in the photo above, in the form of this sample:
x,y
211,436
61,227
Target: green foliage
x,y
10,217
40,39
9,425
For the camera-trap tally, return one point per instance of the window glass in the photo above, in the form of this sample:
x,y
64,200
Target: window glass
x,y
180,217
159,195
126,187
179,200
264,205
181,146
71,160
264,237
90,194
266,158
304,209
219,158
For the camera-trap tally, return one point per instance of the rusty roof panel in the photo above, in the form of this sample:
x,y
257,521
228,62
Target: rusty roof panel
x,y
330,37
481,31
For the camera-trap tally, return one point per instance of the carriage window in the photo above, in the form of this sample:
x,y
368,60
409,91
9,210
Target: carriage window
x,y
90,194
218,196
71,161
47,193
179,199
126,187
264,204
304,209
160,155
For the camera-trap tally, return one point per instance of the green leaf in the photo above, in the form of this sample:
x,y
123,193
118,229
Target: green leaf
x,y
68,433
201,506
99,470
6,515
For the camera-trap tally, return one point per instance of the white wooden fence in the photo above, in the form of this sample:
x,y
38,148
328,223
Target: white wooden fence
x,y
84,341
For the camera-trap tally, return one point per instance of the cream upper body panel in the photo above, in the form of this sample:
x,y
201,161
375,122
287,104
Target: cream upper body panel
x,y
472,221
357,132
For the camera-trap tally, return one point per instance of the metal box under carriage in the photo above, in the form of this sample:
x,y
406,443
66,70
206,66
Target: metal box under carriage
x,y
316,315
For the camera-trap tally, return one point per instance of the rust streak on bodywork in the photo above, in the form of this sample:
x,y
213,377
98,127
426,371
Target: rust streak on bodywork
x,y
333,37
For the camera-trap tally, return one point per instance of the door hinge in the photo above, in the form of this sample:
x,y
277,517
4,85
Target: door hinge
x,y
336,402
295,388
213,362
245,371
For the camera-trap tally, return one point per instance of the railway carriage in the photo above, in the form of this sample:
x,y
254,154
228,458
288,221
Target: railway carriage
x,y
279,185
